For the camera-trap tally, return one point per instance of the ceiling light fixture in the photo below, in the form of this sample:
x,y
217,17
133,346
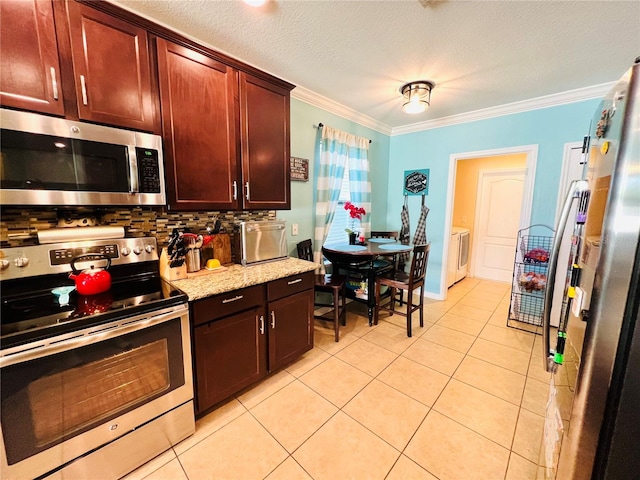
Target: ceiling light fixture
x,y
417,96
255,3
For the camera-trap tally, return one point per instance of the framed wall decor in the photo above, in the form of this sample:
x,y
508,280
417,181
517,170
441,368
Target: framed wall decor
x,y
416,182
299,169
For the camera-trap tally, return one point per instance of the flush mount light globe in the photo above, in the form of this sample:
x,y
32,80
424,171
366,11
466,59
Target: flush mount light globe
x,y
417,96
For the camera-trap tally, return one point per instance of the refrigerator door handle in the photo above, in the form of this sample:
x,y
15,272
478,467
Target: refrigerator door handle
x,y
575,190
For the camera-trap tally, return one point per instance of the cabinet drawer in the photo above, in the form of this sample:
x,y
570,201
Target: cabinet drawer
x,y
289,285
225,304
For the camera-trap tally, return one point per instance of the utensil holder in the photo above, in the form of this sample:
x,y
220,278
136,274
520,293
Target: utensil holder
x,y
193,260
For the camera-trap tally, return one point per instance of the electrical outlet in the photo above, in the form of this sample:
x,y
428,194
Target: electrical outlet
x,y
294,229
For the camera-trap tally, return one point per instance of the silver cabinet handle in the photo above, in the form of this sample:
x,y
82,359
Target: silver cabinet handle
x,y
273,319
54,83
247,187
261,322
235,190
234,299
83,85
575,190
297,280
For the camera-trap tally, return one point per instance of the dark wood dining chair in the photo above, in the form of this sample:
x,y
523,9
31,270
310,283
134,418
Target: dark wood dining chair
x,y
398,280
328,283
393,234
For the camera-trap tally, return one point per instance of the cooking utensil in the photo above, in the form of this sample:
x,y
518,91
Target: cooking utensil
x,y
92,280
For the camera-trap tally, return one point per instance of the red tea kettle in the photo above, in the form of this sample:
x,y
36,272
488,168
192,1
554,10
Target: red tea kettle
x,y
92,280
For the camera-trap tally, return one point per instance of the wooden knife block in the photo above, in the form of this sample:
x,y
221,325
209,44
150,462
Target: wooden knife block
x,y
171,273
222,247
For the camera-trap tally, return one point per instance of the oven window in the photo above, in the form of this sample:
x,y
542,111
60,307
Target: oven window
x,y
50,399
31,161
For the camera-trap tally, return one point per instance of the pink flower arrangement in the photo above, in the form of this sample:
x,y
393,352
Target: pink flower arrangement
x,y
354,212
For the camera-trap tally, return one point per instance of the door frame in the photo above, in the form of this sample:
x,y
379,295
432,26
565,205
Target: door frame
x,y
564,174
531,152
476,223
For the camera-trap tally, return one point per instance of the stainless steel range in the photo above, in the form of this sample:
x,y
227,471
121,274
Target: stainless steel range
x,y
91,386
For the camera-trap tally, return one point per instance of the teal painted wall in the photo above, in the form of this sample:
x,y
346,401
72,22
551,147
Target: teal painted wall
x,y
304,142
549,128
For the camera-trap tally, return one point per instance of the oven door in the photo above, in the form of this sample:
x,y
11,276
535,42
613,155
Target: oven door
x,y
69,395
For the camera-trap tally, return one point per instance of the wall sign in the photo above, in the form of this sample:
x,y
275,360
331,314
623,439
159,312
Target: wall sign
x,y
299,169
416,182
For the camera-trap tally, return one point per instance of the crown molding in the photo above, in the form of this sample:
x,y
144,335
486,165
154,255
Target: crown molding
x,y
312,98
554,100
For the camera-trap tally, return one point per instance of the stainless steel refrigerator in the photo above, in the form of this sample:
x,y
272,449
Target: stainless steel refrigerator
x,y
592,423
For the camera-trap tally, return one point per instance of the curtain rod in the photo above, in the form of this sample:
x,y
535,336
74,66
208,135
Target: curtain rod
x,y
320,125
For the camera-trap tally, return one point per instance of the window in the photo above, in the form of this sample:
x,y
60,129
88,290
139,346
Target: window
x,y
341,217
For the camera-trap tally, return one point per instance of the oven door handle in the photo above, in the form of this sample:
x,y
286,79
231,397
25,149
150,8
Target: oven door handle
x,y
88,336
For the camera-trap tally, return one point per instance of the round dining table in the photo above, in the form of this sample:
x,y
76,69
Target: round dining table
x,y
363,257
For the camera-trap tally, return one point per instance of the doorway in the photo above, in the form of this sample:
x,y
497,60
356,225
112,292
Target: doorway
x,y
464,169
498,206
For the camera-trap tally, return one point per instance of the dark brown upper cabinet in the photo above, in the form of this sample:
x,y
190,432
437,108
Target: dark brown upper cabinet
x,y
111,69
29,65
198,96
57,51
226,134
264,120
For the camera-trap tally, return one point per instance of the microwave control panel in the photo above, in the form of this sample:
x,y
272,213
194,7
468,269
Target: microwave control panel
x,y
148,170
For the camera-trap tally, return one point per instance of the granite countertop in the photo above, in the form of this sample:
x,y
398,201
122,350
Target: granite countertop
x,y
207,283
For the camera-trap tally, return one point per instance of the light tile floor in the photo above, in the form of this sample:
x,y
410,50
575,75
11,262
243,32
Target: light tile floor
x,y
462,398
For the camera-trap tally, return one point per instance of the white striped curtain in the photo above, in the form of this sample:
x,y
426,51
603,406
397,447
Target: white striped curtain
x,y
337,149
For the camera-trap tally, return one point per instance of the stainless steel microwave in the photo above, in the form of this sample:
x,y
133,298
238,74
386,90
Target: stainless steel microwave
x,y
55,162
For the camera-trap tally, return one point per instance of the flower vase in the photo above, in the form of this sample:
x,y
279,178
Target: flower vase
x,y
352,238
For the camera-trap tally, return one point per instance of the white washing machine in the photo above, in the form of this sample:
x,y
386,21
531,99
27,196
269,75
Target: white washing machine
x,y
457,263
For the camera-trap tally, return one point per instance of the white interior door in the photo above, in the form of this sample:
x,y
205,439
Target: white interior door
x,y
497,222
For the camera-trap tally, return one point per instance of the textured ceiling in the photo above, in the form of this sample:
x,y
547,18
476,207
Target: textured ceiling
x,y
480,54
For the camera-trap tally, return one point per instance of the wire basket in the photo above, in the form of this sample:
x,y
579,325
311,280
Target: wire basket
x,y
530,276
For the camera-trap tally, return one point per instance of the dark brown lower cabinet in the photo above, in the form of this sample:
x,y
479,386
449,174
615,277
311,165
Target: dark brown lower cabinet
x,y
241,336
229,355
290,328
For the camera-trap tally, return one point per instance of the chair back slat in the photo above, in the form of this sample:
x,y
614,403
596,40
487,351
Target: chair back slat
x,y
305,250
419,264
381,234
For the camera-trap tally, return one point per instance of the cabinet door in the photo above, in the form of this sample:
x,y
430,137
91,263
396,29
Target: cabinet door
x,y
29,65
264,121
197,95
111,68
229,355
290,322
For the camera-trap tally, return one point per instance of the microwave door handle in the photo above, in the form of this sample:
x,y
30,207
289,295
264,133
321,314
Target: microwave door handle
x,y
575,190
134,186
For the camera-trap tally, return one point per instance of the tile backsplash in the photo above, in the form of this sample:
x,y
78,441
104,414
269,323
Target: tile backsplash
x,y
19,226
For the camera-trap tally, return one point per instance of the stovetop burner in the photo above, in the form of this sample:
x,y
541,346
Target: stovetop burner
x,y
31,311
40,315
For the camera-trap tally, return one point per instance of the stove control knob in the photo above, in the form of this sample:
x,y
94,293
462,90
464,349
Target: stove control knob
x,y
125,251
149,248
137,250
21,262
4,264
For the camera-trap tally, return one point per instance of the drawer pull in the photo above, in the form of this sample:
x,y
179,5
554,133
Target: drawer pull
x,y
273,319
229,300
298,280
261,321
